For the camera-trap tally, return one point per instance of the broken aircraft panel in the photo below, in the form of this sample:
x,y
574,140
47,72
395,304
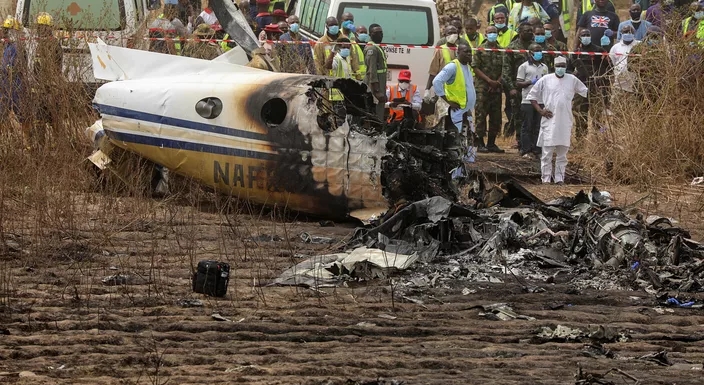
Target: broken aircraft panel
x,y
270,138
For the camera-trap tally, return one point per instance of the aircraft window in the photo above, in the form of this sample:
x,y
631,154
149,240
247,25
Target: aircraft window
x,y
209,108
274,111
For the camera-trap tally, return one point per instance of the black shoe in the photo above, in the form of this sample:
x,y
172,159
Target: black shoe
x,y
483,150
495,149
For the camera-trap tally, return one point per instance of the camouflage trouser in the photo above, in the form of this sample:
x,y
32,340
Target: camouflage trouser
x,y
516,121
591,107
488,105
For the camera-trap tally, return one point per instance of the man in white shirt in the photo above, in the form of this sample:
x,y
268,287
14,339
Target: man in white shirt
x,y
555,92
529,73
623,80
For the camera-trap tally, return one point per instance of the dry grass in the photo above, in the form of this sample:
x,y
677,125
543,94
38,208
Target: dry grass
x,y
654,135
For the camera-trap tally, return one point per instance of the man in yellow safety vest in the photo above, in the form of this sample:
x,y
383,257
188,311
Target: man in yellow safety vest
x,y
505,34
339,65
693,26
442,56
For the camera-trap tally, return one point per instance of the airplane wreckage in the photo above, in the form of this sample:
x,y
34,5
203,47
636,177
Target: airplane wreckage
x,y
266,137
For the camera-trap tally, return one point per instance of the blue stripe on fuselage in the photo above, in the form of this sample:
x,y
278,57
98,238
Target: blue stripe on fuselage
x,y
159,119
189,146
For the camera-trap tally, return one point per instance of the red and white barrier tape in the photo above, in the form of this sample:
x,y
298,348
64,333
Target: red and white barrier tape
x,y
313,43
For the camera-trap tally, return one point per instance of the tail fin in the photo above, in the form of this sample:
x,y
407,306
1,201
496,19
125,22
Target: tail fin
x,y
115,63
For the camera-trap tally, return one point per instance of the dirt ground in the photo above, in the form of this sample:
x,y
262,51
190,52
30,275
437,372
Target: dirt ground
x,y
64,326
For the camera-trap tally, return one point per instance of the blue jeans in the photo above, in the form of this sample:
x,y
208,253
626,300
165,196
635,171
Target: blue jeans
x,y
530,129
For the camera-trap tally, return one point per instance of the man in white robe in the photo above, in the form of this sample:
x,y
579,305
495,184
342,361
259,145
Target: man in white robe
x,y
555,92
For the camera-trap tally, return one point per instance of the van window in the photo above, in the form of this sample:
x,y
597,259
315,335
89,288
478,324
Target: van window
x,y
138,10
313,15
83,15
402,24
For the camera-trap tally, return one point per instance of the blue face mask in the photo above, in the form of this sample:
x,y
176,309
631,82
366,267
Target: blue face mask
x,y
560,71
363,37
349,25
333,30
345,52
586,40
492,37
540,39
627,37
605,40
537,56
295,27
500,26
548,34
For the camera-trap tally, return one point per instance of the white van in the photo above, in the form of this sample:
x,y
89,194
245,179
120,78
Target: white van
x,y
412,22
117,22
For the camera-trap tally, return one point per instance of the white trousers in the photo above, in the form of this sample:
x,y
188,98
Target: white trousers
x,y
560,163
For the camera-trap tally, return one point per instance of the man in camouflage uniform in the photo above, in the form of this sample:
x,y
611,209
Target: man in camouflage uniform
x,y
453,8
487,66
509,72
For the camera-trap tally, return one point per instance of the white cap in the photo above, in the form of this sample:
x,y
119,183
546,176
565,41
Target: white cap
x,y
560,60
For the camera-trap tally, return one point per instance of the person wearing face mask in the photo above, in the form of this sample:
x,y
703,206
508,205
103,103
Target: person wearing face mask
x,y
693,26
402,95
299,58
598,21
555,91
472,35
529,73
375,60
505,34
591,70
347,24
551,40
361,38
640,26
458,26
488,65
442,56
509,72
623,79
540,39
323,49
454,84
339,65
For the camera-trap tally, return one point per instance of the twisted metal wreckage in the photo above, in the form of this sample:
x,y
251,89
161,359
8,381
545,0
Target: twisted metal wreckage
x,y
275,139
583,240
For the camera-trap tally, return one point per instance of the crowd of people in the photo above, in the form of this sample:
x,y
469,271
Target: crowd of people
x,y
30,71
532,76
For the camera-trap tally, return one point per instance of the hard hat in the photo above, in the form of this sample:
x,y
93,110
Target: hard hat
x,y
11,23
45,19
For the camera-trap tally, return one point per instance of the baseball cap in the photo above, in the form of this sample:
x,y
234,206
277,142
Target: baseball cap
x,y
404,75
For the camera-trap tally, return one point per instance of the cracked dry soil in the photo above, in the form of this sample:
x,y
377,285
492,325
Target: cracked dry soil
x,y
66,327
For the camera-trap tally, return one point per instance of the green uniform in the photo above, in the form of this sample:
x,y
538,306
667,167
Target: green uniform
x,y
510,66
375,60
488,103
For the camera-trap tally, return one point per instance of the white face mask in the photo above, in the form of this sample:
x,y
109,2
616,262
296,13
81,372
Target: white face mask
x,y
452,39
403,86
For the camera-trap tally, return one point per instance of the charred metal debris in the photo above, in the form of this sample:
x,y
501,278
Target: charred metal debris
x,y
509,234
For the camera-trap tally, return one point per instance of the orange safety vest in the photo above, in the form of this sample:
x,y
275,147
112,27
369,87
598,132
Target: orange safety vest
x,y
394,92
